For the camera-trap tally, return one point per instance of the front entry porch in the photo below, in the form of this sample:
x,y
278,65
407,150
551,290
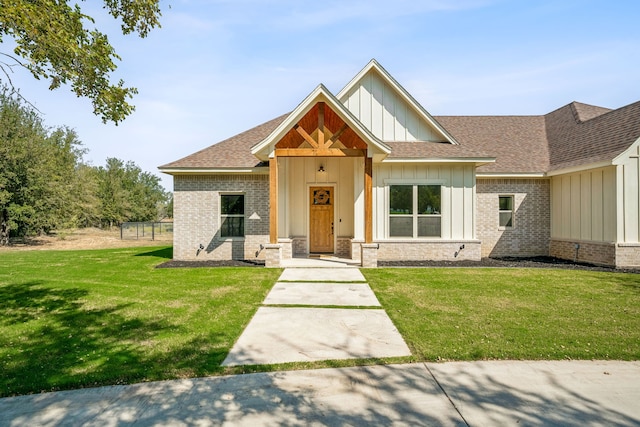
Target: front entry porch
x,y
320,191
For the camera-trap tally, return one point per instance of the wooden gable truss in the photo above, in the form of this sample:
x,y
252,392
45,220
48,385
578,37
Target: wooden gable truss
x,y
320,133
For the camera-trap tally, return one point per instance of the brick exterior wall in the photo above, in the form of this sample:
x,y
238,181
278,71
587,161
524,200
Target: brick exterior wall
x,y
300,246
197,216
343,247
435,251
628,255
601,253
532,217
621,255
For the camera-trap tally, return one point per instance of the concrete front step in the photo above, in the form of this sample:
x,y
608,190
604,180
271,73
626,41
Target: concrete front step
x,y
330,275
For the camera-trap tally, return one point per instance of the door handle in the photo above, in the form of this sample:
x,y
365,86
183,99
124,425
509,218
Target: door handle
x,y
332,228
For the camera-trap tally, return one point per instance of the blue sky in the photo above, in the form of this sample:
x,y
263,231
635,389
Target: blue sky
x,y
219,67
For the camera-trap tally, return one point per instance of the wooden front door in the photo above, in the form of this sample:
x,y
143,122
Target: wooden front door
x,y
321,200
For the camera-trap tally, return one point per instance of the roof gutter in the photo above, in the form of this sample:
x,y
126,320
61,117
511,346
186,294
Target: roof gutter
x,y
580,168
517,175
205,171
479,161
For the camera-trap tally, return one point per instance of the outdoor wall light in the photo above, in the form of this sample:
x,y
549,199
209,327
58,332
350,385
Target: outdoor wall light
x,y
321,169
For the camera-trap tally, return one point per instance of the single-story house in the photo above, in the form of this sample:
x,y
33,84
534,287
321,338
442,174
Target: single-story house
x,y
370,175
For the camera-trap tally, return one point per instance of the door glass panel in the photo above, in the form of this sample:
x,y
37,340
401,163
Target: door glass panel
x,y
322,197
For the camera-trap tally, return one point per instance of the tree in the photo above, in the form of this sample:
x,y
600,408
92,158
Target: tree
x,y
37,171
54,43
127,193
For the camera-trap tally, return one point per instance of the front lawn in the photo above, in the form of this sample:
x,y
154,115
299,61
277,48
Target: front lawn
x,y
470,314
72,319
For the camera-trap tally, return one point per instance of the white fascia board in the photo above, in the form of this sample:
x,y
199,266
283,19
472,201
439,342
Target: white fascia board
x,y
580,168
516,175
404,94
320,94
478,160
206,171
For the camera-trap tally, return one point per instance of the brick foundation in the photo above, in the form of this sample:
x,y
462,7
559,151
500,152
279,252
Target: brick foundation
x,y
343,247
287,248
273,255
600,253
429,250
369,255
628,255
356,250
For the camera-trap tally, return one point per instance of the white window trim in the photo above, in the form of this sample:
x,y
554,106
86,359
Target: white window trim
x,y
221,215
414,183
512,210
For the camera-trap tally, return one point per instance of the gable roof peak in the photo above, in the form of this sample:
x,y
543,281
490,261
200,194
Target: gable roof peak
x,y
379,73
584,112
264,149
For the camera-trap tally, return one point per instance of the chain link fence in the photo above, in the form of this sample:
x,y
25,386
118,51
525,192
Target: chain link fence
x,y
146,231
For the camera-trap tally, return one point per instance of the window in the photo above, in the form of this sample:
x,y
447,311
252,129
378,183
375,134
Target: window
x,y
505,206
414,211
232,215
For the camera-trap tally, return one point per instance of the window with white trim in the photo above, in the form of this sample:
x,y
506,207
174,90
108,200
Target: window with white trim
x,y
505,211
232,215
414,211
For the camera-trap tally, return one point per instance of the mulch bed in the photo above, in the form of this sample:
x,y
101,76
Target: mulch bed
x,y
514,262
210,263
506,262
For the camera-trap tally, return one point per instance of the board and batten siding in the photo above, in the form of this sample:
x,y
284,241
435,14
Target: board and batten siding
x,y
629,195
381,110
457,197
297,175
583,205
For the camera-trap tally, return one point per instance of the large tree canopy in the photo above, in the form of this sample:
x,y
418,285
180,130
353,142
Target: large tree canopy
x,y
44,184
54,43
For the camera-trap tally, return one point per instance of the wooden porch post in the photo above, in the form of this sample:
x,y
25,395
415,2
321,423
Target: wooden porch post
x,y
273,200
368,199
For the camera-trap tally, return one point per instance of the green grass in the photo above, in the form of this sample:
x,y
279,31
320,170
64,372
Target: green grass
x,y
73,319
471,314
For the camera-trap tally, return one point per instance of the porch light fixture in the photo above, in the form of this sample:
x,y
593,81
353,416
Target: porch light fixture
x,y
321,169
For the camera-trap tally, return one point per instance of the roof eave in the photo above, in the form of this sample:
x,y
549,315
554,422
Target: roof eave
x,y
478,161
580,168
516,175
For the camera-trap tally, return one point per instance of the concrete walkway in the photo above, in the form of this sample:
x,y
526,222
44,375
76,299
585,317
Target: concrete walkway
x,y
568,393
503,393
321,329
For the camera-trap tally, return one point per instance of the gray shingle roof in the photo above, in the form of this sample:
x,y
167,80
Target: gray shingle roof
x,y
599,138
234,152
517,142
574,135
